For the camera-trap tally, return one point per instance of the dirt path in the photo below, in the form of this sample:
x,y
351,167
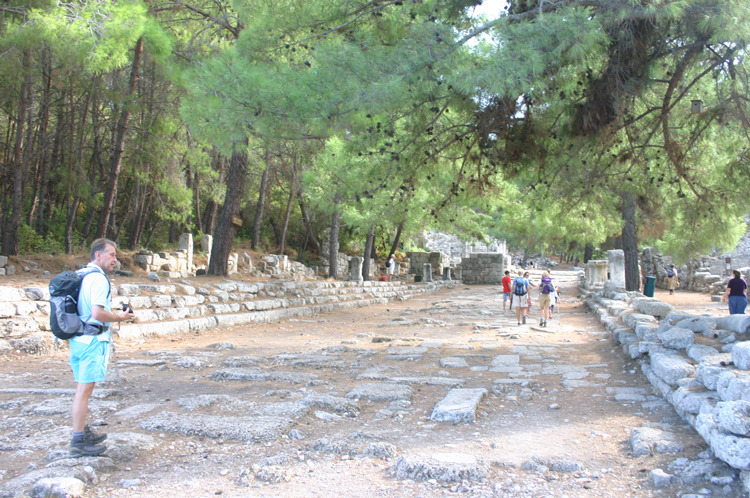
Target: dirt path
x,y
550,395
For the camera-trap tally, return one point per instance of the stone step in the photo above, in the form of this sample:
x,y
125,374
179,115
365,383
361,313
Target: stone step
x,y
459,405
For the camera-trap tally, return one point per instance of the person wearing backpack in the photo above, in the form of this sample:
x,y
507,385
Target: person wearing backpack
x,y
546,291
89,352
736,294
520,294
673,280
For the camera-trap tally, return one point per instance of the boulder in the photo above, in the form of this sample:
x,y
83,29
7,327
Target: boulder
x,y
671,368
677,338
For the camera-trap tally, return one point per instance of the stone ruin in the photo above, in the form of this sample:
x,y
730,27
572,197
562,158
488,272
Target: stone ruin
x,y
596,274
457,249
707,274
436,259
484,268
707,383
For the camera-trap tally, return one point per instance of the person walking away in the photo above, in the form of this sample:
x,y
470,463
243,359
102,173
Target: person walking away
x,y
555,301
390,265
89,353
736,294
506,290
673,280
528,296
546,290
520,291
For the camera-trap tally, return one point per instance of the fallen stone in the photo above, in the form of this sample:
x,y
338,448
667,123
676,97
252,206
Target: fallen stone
x,y
214,427
459,405
243,361
377,372
736,323
128,446
221,346
380,450
651,306
329,402
677,338
733,386
661,479
671,368
734,450
246,374
444,467
733,417
453,362
698,352
58,487
25,482
648,440
427,381
741,355
381,392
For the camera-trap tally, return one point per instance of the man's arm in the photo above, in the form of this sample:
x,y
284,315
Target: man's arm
x,y
99,313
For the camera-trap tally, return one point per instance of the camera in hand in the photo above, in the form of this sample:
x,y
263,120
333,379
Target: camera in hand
x,y
126,308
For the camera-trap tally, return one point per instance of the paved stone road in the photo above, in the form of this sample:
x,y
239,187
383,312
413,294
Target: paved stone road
x,y
441,394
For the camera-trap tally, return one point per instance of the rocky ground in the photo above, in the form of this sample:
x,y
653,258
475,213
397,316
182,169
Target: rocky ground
x,y
434,396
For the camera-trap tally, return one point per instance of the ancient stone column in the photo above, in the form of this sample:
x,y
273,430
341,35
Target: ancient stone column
x,y
616,258
458,272
600,274
446,273
207,243
590,275
355,269
232,263
186,244
427,273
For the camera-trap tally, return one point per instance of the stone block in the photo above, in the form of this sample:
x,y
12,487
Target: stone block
x,y
648,440
7,310
651,306
58,487
381,392
18,327
741,355
733,417
25,308
3,261
699,352
736,323
443,467
459,405
616,259
689,399
161,301
733,386
699,325
734,450
10,270
36,293
631,319
10,294
661,479
677,338
642,329
671,368
710,368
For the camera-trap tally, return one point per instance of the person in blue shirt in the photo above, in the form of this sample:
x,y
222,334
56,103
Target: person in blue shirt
x,y
736,294
89,353
520,290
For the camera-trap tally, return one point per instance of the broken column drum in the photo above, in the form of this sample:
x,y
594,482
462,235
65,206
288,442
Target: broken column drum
x,y
355,269
427,273
616,258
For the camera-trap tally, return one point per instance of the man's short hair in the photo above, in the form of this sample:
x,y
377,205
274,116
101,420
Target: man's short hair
x,y
507,272
520,273
100,245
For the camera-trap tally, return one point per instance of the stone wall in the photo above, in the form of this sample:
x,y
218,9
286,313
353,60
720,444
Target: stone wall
x,y
483,268
193,306
437,259
457,249
707,383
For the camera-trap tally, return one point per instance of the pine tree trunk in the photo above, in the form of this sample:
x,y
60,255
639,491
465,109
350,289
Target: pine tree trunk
x,y
11,241
309,235
588,252
119,144
69,226
397,238
282,245
334,240
630,242
224,234
261,203
368,253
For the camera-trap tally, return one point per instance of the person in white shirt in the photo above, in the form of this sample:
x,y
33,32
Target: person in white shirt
x,y
89,353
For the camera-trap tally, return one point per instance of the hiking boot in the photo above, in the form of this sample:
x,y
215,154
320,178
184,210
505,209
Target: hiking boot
x,y
524,319
84,448
545,323
541,323
92,437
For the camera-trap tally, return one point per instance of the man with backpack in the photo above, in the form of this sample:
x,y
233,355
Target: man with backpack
x,y
520,294
89,352
390,264
546,291
673,280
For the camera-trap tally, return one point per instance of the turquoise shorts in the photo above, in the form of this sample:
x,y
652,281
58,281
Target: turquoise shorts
x,y
89,361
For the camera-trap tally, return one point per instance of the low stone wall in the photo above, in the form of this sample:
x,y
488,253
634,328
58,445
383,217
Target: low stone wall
x,y
483,268
437,259
708,384
190,306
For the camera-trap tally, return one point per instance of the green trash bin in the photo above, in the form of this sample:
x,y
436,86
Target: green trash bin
x,y
417,278
648,289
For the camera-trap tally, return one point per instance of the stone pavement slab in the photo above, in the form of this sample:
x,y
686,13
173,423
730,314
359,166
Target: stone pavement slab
x,y
381,392
460,405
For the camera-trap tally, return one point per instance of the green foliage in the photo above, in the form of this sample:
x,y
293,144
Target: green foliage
x,y
31,242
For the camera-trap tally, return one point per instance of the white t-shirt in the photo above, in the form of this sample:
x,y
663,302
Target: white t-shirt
x,y
95,290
